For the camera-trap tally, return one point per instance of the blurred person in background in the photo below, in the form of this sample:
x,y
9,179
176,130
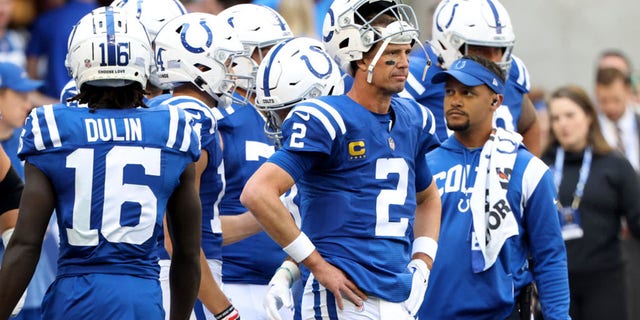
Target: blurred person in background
x,y
12,43
319,9
12,48
597,187
620,124
48,44
538,98
614,58
15,105
300,16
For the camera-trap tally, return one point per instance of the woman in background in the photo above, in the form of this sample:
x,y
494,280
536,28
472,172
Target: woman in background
x,y
596,188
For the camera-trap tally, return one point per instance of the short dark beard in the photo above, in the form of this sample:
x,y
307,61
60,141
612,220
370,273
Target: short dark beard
x,y
462,127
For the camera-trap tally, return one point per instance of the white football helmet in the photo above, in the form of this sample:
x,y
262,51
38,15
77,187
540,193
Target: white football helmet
x,y
199,48
109,48
294,70
153,14
348,32
257,27
458,23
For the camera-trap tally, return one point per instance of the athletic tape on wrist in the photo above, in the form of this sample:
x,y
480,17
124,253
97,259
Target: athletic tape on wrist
x,y
292,269
425,245
300,248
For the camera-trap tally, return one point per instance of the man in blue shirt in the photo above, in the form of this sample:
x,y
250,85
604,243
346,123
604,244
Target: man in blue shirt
x,y
499,209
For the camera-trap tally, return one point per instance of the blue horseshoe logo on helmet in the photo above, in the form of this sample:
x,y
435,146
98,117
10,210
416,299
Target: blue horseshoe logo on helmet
x,y
333,23
453,13
183,37
310,67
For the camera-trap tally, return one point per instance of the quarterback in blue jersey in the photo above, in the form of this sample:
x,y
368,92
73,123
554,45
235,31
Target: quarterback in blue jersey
x,y
201,80
248,264
110,174
477,27
498,209
358,162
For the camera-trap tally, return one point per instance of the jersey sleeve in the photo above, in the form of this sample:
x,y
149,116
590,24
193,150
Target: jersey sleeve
x,y
69,91
427,142
181,134
202,117
40,132
519,75
312,126
545,239
430,140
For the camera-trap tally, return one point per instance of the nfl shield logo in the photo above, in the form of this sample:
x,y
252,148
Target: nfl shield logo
x,y
392,144
87,63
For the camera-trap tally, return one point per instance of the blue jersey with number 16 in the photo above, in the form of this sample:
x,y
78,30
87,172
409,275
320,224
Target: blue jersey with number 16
x,y
113,171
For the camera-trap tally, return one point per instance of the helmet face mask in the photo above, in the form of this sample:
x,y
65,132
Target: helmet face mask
x,y
458,24
352,27
201,49
294,70
258,27
109,47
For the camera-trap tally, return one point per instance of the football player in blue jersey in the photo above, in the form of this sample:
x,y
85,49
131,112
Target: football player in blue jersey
x,y
295,70
358,162
479,27
153,14
249,264
195,54
498,209
110,174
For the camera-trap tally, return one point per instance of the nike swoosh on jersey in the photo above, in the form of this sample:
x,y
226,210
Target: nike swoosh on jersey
x,y
303,115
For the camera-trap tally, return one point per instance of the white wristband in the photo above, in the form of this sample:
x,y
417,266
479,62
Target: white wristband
x,y
6,236
300,248
425,245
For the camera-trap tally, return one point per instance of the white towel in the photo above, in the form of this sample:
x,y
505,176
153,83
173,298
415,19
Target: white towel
x,y
493,220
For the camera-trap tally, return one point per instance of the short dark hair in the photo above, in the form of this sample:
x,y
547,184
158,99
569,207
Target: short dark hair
x,y
492,66
607,76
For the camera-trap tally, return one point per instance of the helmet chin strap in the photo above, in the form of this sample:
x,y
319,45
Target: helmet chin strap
x,y
375,59
426,65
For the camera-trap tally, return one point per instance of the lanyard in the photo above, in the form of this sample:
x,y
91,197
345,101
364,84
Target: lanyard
x,y
584,173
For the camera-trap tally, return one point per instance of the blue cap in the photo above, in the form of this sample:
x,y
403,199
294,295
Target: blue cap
x,y
15,78
470,73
